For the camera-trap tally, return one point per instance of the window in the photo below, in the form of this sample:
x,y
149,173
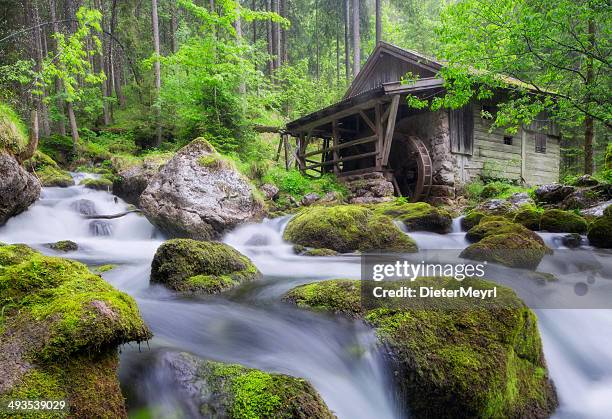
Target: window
x,y
508,140
540,142
462,130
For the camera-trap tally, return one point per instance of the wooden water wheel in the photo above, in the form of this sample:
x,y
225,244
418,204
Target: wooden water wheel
x,y
415,160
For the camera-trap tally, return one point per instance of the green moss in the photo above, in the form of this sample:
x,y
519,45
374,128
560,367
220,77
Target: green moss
x,y
214,162
102,268
346,228
320,252
87,383
101,184
503,226
600,232
61,325
200,267
512,249
47,170
471,219
417,216
64,246
79,309
338,296
608,211
13,133
529,218
468,362
558,221
252,394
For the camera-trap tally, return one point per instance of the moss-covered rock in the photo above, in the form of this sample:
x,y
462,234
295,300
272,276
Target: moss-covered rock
x,y
59,331
600,231
47,170
64,246
100,184
346,228
528,217
488,218
320,252
471,219
607,212
470,362
511,249
200,267
558,221
236,392
417,216
503,226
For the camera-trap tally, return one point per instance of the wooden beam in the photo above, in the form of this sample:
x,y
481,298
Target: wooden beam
x,y
280,146
390,129
343,159
298,160
285,143
340,146
379,134
369,104
335,145
367,121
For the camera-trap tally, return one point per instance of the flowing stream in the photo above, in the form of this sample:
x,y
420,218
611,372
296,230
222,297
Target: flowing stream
x,y
252,327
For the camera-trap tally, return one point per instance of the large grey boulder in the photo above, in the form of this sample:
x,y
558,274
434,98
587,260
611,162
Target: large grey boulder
x,y
18,188
132,181
199,195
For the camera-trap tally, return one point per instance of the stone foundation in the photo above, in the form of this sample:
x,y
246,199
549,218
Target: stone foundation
x,y
369,188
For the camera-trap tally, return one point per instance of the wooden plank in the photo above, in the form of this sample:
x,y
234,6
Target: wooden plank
x,y
496,155
358,172
343,159
379,134
367,121
390,129
280,146
364,140
353,110
286,145
336,144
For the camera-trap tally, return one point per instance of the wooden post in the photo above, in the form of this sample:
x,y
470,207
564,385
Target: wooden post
x,y
280,146
286,145
379,136
390,129
336,142
523,154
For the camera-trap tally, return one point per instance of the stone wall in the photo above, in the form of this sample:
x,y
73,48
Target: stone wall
x,y
433,129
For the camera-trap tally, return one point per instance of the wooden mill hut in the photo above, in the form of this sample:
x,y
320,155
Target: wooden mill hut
x,y
426,154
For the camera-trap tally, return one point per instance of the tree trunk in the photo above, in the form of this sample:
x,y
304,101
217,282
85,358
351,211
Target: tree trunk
x,y
269,31
115,61
356,39
101,67
156,68
61,124
173,26
588,121
378,22
238,28
74,131
43,112
317,43
347,46
283,34
277,35
254,23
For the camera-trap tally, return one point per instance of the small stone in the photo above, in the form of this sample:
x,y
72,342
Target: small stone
x,y
269,190
310,199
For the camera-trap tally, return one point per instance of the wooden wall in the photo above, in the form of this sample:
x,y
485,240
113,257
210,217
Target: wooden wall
x,y
388,69
491,157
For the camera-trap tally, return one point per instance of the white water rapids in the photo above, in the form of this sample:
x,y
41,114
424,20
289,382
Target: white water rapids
x,y
252,327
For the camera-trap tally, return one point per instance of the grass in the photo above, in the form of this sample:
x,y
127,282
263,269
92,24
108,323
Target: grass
x,y
13,132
